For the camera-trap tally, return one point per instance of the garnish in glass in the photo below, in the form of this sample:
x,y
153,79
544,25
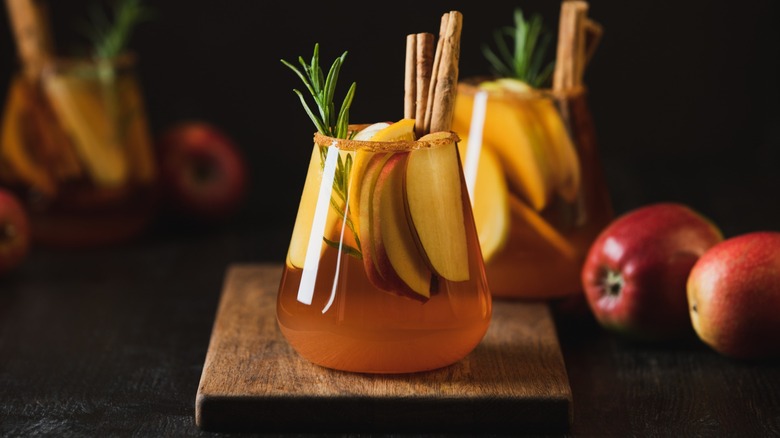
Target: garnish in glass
x,y
109,29
333,124
525,59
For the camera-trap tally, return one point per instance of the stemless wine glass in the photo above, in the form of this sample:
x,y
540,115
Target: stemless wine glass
x,y
540,199
76,149
384,272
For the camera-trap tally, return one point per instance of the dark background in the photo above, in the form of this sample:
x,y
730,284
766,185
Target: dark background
x,y
684,94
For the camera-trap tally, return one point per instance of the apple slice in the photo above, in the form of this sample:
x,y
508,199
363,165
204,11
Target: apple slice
x,y
527,217
393,237
376,261
374,164
558,146
435,205
399,131
518,147
563,154
490,201
139,143
306,208
366,133
92,129
380,131
12,147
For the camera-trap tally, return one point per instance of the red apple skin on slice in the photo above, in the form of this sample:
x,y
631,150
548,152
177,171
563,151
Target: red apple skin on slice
x,y
376,263
397,252
365,211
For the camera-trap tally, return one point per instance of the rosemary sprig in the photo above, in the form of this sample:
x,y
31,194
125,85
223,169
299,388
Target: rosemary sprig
x,y
328,122
524,61
323,90
109,28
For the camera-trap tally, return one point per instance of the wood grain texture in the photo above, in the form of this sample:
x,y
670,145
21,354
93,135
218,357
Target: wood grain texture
x,y
253,381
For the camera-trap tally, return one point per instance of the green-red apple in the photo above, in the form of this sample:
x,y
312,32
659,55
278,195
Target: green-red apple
x,y
734,296
204,174
635,273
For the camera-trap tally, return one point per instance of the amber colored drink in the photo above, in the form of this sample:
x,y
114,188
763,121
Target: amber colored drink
x,y
546,200
384,273
76,148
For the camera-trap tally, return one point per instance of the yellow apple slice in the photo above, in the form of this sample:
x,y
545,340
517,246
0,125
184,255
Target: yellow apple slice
x,y
508,129
563,153
558,146
380,131
435,202
392,234
490,202
304,219
398,131
512,85
139,143
93,132
361,158
527,217
13,149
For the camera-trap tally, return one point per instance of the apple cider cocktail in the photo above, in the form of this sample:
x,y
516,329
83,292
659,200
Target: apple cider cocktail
x,y
530,158
539,197
76,148
384,272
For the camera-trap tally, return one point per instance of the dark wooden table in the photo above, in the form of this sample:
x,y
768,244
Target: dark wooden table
x,y
112,341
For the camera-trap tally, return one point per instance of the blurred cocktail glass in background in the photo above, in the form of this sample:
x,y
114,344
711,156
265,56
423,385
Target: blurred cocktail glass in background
x,y
75,145
531,161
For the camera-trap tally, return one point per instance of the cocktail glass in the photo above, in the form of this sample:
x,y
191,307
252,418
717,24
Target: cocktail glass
x,y
384,272
76,148
539,197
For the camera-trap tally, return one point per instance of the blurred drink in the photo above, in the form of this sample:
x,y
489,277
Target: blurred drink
x,y
76,148
537,187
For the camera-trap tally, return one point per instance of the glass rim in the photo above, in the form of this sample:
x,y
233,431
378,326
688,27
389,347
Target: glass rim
x,y
471,85
320,139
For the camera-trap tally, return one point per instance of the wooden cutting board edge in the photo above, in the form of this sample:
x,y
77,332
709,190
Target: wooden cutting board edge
x,y
233,396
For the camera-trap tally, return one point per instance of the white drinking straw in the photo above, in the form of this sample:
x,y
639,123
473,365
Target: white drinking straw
x,y
475,142
338,260
312,261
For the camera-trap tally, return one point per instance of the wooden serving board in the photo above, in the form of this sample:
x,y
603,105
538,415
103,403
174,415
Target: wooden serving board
x,y
252,380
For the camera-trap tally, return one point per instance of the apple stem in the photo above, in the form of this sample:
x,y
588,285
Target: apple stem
x,y
613,283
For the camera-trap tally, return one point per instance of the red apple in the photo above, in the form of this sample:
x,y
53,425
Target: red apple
x,y
635,273
734,296
203,172
14,232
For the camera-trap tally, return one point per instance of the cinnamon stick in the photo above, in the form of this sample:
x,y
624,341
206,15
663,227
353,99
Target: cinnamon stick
x,y
446,74
570,57
434,73
593,33
29,21
410,77
424,70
